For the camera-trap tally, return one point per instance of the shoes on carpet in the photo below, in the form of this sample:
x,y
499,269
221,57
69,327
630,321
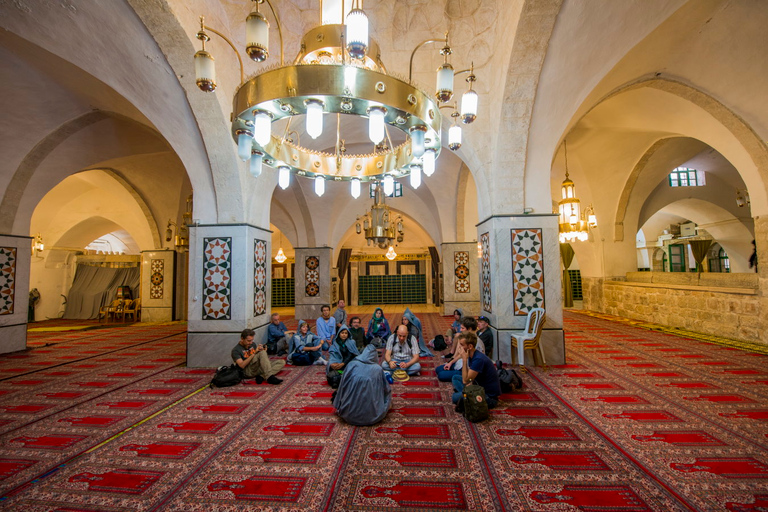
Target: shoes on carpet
x,y
259,379
274,380
320,361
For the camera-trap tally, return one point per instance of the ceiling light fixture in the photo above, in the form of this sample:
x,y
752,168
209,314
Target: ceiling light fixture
x,y
337,71
574,224
378,225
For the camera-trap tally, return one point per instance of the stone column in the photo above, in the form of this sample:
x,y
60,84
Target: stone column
x,y
761,244
461,283
15,255
520,270
312,280
158,297
228,289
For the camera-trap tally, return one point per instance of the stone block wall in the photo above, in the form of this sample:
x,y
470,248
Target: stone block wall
x,y
736,313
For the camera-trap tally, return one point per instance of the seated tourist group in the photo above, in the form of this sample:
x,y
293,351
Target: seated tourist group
x,y
349,353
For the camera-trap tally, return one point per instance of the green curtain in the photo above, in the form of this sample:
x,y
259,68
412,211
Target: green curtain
x,y
699,249
566,252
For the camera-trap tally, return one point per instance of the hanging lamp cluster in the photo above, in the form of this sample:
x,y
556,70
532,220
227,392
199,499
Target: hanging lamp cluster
x,y
382,228
337,73
574,224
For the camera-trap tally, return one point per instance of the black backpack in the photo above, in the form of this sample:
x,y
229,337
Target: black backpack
x,y
439,343
475,403
509,379
227,376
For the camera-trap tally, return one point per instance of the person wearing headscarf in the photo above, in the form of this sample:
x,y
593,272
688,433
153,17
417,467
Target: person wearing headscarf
x,y
423,350
305,347
364,395
378,327
343,351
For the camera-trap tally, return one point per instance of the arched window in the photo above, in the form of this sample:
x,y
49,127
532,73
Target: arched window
x,y
725,263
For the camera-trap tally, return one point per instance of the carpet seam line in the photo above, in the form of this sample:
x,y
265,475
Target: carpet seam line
x,y
480,449
341,468
224,443
61,465
85,358
621,450
673,404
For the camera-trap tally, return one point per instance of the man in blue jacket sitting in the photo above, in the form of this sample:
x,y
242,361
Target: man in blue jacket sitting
x,y
278,336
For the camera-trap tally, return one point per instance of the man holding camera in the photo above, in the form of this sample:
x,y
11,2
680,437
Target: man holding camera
x,y
253,361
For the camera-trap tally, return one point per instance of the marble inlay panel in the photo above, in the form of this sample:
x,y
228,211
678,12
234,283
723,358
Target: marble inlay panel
x,y
527,270
7,279
486,271
217,278
259,277
461,271
156,279
312,276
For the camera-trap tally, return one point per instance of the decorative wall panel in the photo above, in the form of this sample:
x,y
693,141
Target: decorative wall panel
x,y
461,271
7,279
312,276
217,278
486,271
259,277
156,279
527,270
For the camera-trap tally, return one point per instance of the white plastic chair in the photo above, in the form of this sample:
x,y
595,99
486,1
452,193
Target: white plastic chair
x,y
529,339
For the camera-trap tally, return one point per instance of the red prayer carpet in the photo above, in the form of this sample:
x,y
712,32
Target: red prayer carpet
x,y
110,419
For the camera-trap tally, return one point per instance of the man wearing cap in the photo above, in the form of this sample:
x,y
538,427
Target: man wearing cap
x,y
402,352
485,335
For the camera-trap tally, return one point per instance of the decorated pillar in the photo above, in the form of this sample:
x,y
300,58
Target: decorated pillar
x,y
519,271
158,289
461,286
15,255
228,289
312,278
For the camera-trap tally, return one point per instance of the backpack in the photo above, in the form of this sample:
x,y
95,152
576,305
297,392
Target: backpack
x,y
439,343
227,376
475,403
509,379
300,358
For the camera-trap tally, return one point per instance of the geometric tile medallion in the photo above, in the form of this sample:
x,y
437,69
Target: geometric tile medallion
x,y
485,244
312,276
461,271
259,277
156,279
217,278
7,279
527,270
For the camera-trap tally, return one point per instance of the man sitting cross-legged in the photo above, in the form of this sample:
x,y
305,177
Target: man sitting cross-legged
x,y
402,352
477,367
253,360
446,372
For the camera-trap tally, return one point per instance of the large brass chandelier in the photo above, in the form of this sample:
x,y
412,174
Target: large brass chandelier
x,y
381,227
337,75
574,223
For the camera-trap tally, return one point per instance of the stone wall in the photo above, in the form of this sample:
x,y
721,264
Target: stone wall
x,y
732,309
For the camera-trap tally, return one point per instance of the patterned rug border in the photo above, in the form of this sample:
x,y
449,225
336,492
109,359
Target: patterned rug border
x,y
676,331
